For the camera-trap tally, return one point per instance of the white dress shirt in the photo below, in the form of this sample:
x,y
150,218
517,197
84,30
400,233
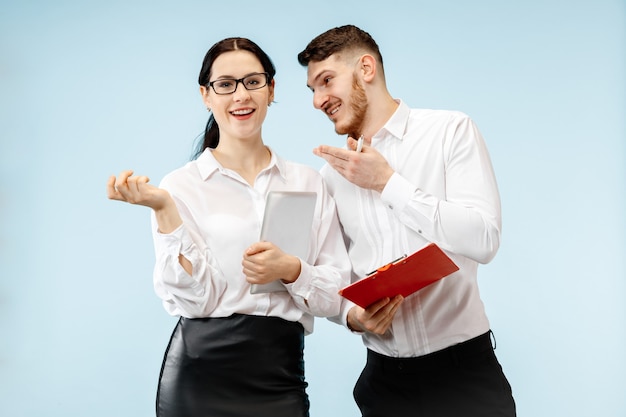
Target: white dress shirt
x,y
443,191
222,216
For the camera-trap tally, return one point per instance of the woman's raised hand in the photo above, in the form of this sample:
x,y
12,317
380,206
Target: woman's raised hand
x,y
135,189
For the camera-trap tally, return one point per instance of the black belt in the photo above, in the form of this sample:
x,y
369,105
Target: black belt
x,y
448,357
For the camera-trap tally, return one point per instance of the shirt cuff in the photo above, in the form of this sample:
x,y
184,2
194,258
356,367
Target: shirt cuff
x,y
177,242
346,305
397,193
302,285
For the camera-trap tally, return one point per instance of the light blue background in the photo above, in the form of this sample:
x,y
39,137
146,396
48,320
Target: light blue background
x,y
88,89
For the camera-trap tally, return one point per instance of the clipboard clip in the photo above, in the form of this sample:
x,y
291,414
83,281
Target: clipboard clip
x,y
387,266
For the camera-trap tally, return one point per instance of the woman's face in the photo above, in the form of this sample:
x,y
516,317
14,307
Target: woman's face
x,y
240,114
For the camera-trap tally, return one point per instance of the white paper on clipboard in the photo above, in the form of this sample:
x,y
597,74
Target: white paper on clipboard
x,y
287,224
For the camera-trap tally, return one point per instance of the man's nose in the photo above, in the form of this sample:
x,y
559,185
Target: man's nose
x,y
319,100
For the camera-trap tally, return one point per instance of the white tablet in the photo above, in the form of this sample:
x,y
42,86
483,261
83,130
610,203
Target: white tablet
x,y
287,223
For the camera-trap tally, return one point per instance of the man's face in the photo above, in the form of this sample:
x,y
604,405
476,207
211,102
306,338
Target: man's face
x,y
339,93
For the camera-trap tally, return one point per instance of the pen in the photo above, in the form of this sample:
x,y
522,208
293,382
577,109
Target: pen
x,y
359,144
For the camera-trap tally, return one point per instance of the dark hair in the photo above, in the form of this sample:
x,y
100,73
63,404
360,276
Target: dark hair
x,y
211,136
343,38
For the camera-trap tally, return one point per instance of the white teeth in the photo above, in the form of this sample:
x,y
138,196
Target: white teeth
x,y
242,112
335,110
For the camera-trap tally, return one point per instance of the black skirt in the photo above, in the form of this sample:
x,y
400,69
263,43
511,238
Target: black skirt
x,y
237,366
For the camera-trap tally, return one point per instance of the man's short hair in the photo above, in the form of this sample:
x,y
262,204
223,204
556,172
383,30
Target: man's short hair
x,y
340,39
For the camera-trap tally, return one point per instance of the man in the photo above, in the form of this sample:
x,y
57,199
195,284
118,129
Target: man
x,y
422,176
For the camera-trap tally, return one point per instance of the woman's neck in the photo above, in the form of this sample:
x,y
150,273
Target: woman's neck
x,y
245,159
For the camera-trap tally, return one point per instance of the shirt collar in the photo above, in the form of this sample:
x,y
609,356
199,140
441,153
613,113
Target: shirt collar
x,y
396,125
207,164
278,164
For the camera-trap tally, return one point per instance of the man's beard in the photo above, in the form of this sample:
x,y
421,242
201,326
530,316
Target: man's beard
x,y
358,104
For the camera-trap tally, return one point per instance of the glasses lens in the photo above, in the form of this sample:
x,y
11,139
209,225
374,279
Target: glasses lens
x,y
255,81
225,86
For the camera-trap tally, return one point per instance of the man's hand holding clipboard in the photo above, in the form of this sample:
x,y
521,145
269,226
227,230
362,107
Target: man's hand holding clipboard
x,y
404,276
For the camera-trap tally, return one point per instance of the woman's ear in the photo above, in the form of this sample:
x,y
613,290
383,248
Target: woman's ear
x,y
271,87
204,92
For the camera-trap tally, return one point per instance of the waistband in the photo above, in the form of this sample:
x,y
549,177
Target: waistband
x,y
448,357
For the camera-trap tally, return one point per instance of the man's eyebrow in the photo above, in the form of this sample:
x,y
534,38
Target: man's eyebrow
x,y
314,81
319,75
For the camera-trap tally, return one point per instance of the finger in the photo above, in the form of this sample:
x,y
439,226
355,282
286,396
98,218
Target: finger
x,y
351,143
338,153
246,267
389,309
322,149
143,179
378,324
373,308
387,314
121,182
253,270
136,183
328,158
123,177
255,248
133,184
381,323
325,152
384,325
339,164
111,191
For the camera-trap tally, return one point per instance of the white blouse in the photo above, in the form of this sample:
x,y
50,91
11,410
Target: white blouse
x,y
222,216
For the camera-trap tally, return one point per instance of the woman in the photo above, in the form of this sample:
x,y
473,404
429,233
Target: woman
x,y
234,353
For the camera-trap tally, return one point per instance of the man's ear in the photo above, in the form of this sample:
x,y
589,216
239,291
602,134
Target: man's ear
x,y
367,67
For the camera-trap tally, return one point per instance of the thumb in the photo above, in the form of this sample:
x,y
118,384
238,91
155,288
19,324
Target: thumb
x,y
255,248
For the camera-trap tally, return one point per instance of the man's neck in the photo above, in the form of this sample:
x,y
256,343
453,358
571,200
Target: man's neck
x,y
380,111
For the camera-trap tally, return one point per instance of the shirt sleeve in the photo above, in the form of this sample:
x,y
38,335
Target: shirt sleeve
x,y
194,295
466,218
316,291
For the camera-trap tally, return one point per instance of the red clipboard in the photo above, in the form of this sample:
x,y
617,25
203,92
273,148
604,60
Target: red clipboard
x,y
403,276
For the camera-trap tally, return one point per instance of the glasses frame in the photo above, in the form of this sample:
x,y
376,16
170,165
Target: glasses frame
x,y
240,80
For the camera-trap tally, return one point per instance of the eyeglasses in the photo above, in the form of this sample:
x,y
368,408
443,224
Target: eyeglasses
x,y
229,85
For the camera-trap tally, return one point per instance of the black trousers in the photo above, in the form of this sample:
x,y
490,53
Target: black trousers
x,y
465,380
238,366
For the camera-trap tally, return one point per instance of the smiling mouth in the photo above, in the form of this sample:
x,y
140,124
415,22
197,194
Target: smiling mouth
x,y
242,112
331,110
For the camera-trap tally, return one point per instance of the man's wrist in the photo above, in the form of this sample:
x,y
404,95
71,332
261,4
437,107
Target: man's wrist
x,y
381,186
355,325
